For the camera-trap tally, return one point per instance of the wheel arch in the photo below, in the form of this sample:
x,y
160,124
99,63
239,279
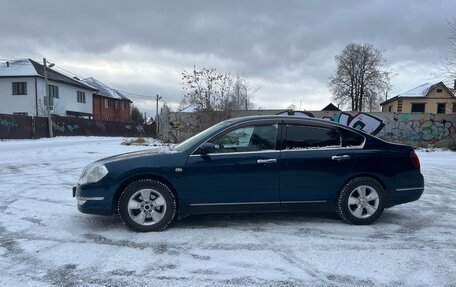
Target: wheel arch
x,y
141,176
375,177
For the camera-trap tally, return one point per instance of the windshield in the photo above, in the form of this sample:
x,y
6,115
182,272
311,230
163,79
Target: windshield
x,y
199,137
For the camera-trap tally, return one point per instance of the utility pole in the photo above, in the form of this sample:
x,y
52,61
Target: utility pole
x,y
48,99
156,116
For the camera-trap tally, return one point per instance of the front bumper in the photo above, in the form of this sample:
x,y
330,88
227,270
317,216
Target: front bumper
x,y
91,199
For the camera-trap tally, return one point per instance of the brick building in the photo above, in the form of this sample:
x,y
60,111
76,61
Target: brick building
x,y
109,104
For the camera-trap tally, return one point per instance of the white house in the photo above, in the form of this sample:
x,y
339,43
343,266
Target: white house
x,y
22,91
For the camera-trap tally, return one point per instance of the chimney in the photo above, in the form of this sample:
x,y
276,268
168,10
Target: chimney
x,y
7,65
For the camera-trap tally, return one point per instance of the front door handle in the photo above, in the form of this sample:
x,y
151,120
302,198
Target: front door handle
x,y
269,160
340,157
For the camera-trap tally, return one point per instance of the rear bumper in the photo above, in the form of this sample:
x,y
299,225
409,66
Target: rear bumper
x,y
405,195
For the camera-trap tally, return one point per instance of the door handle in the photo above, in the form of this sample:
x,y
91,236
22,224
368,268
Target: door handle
x,y
340,157
269,160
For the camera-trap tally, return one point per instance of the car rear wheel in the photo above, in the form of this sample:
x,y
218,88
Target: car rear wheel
x,y
361,201
147,205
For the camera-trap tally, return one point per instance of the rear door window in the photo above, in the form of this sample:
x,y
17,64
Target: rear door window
x,y
301,137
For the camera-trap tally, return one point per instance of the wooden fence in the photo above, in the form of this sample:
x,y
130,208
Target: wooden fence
x,y
26,127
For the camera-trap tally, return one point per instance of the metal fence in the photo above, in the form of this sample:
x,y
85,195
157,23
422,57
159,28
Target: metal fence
x,y
26,127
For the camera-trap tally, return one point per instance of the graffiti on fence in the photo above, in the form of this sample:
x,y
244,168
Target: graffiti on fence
x,y
362,121
415,129
6,123
9,123
72,127
62,127
421,131
12,127
58,127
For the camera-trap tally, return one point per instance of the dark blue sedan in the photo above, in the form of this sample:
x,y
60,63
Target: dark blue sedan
x,y
251,164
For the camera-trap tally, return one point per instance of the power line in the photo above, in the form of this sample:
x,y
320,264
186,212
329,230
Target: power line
x,y
24,62
78,76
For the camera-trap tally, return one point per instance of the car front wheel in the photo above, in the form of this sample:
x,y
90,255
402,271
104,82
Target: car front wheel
x,y
361,201
147,205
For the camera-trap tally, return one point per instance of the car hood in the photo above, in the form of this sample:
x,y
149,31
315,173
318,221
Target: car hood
x,y
131,155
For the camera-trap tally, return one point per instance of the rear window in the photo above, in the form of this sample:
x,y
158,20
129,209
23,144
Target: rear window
x,y
309,137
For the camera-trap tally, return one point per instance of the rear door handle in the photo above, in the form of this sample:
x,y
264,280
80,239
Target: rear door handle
x,y
340,157
269,160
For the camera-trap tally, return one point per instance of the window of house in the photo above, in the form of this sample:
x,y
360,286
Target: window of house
x,y
19,88
124,105
107,103
441,108
418,108
439,90
53,91
81,96
308,137
390,109
454,108
116,105
20,114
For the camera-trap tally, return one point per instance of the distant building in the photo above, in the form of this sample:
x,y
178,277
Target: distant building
x,y
331,107
22,91
426,98
108,103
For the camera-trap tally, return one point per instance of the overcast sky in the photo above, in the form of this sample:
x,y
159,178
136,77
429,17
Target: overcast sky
x,y
286,48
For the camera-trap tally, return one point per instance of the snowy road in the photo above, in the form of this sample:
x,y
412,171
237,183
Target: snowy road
x,y
45,241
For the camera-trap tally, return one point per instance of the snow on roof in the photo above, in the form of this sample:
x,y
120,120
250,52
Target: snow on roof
x,y
21,67
420,91
104,90
30,68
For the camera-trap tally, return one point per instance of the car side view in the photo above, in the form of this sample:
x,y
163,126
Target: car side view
x,y
254,164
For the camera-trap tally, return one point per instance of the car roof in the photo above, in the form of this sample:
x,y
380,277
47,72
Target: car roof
x,y
302,118
278,117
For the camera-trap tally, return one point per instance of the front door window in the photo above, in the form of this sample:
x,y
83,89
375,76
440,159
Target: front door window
x,y
247,139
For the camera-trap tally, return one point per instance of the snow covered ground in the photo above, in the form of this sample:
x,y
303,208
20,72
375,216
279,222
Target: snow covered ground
x,y
45,240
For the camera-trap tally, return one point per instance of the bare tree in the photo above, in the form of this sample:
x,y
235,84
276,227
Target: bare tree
x,y
448,62
243,93
55,107
183,104
214,95
292,107
360,78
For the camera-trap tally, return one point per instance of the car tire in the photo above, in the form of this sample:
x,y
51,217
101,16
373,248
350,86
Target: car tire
x,y
361,201
147,205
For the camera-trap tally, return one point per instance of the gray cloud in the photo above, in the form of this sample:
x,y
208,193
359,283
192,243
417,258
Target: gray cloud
x,y
287,47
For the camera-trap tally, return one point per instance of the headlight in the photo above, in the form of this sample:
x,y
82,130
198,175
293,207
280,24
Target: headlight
x,y
93,174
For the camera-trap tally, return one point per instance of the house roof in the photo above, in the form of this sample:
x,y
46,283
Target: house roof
x,y
30,68
104,90
331,107
419,92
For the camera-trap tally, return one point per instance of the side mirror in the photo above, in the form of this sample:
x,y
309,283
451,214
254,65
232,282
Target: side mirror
x,y
206,148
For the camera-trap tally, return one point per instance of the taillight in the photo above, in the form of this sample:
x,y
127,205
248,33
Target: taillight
x,y
415,160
